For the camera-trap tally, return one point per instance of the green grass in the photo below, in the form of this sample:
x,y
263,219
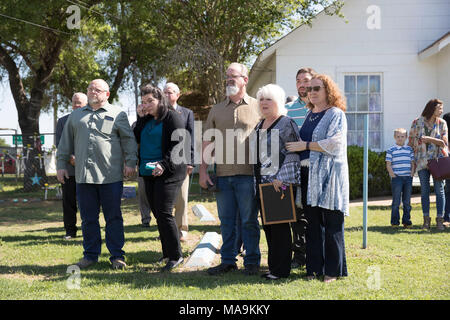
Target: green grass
x,y
410,264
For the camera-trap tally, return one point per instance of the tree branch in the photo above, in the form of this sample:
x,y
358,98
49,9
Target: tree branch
x,y
15,81
23,54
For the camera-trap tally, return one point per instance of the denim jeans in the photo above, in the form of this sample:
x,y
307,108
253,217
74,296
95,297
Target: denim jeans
x,y
236,197
90,198
447,201
401,192
424,176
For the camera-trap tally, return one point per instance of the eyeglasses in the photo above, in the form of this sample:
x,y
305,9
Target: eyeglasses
x,y
96,90
233,76
315,88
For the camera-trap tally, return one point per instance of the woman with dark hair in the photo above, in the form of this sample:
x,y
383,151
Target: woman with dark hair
x,y
429,139
162,177
324,178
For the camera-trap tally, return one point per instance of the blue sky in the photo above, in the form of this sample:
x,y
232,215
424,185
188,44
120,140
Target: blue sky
x,y
9,117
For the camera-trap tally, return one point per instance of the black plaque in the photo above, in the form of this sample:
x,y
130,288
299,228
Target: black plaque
x,y
277,207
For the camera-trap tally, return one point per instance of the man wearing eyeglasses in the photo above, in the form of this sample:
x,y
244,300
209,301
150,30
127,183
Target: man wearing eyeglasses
x,y
297,110
235,198
100,137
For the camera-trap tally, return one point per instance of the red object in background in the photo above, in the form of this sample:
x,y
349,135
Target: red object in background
x,y
9,164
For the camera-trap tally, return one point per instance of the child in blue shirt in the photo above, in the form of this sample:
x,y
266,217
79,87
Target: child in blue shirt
x,y
400,166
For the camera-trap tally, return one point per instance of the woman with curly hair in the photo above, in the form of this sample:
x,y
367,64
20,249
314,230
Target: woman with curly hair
x,y
325,182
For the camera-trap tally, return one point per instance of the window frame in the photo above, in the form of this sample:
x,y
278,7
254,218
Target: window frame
x,y
356,112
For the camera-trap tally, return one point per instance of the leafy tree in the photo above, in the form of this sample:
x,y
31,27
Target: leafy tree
x,y
190,42
210,34
46,62
3,143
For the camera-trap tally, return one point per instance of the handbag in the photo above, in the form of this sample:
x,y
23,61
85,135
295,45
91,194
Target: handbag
x,y
440,167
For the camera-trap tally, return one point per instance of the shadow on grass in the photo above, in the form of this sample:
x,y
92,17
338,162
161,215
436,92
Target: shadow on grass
x,y
33,240
55,235
417,229
379,207
148,276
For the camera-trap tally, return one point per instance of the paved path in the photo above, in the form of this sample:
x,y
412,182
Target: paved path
x,y
387,201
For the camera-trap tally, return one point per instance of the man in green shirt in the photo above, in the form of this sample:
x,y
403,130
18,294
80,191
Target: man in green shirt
x,y
100,137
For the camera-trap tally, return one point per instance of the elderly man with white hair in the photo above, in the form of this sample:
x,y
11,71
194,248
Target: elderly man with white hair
x,y
105,149
172,93
236,198
69,196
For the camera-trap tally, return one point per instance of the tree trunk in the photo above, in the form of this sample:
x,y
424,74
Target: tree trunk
x,y
34,174
29,110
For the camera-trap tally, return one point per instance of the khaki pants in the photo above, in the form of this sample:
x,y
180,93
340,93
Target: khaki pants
x,y
181,206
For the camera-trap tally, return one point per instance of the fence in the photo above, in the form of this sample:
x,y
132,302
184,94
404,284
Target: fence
x,y
17,182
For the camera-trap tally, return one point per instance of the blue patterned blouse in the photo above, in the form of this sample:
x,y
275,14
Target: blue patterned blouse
x,y
328,185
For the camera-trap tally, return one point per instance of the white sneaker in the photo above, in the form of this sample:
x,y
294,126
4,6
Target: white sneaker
x,y
271,277
183,236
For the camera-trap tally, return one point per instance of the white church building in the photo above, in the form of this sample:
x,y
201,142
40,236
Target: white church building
x,y
390,58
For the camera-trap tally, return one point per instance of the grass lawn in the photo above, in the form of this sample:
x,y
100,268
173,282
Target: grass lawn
x,y
34,260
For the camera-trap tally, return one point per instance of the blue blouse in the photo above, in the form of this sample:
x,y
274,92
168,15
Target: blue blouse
x,y
306,131
150,146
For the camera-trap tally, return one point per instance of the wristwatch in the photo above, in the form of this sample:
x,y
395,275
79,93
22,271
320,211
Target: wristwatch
x,y
307,145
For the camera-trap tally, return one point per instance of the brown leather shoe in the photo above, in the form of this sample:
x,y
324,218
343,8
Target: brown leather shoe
x,y
440,224
426,222
84,263
118,264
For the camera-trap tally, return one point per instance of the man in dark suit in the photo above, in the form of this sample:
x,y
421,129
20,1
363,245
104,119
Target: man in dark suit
x,y
172,93
447,186
69,187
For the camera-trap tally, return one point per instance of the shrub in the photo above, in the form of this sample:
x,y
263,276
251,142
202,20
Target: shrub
x,y
379,182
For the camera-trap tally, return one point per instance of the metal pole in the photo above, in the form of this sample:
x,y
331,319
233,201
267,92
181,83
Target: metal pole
x,y
365,177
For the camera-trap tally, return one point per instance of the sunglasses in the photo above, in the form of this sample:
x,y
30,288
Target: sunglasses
x,y
315,88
